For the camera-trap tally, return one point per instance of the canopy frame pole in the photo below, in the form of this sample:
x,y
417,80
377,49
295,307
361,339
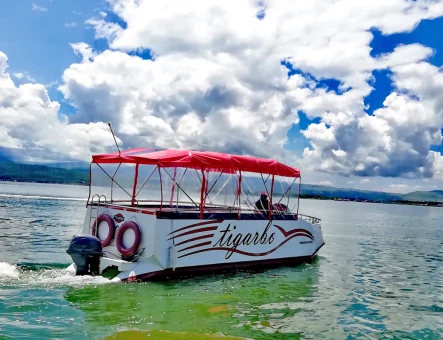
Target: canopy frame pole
x,y
173,187
134,187
270,198
178,186
210,189
202,192
299,191
161,188
206,187
144,183
286,192
90,183
239,191
112,180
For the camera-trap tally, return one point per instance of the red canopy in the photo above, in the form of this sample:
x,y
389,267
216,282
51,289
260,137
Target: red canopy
x,y
206,160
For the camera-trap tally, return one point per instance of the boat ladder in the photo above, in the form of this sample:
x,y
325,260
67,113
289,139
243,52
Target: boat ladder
x,y
95,209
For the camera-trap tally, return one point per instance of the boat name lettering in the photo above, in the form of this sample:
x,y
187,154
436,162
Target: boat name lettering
x,y
230,239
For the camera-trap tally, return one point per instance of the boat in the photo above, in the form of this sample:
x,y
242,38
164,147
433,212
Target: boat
x,y
155,214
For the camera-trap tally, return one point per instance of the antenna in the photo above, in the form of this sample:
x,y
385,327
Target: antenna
x,y
115,140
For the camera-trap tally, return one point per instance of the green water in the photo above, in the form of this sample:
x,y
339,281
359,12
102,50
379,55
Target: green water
x,y
380,276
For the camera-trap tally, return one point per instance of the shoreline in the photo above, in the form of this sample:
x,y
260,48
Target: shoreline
x,y
398,202
302,196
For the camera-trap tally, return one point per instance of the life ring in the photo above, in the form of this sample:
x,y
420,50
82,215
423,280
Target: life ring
x,y
111,229
119,238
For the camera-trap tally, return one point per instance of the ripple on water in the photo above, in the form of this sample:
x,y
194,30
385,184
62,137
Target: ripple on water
x,y
379,276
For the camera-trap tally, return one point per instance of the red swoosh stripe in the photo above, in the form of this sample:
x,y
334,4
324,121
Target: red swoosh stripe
x,y
195,225
244,252
194,239
196,246
194,232
290,232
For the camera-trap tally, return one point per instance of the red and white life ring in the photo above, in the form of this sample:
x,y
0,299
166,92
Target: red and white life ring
x,y
111,229
119,238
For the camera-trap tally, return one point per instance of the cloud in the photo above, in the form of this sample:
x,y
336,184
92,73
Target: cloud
x,y
23,76
404,188
38,8
30,122
222,86
217,81
76,12
18,75
365,180
327,183
71,24
186,103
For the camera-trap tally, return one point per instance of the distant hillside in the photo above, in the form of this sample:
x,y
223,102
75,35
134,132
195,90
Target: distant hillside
x,y
345,193
10,171
424,196
3,159
77,173
64,165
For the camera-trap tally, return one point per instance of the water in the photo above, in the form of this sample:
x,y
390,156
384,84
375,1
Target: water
x,y
380,276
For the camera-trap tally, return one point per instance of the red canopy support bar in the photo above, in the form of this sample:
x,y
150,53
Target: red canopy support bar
x,y
270,198
161,188
239,191
134,187
298,199
202,191
173,187
90,184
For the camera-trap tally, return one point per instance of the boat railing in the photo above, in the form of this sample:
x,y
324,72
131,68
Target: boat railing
x,y
95,209
310,219
155,206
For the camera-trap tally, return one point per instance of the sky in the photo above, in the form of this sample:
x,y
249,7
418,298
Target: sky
x,y
348,91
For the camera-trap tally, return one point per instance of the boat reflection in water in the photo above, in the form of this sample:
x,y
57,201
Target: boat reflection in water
x,y
206,216
233,304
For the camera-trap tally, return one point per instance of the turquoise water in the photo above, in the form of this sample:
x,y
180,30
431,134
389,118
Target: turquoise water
x,y
380,276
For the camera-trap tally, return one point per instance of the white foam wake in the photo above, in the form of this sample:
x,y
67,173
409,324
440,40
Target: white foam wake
x,y
8,271
48,278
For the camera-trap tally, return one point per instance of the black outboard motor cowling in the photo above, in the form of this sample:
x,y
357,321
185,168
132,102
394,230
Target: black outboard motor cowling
x,y
85,251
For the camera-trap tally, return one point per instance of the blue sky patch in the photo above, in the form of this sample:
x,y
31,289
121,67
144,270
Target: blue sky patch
x,y
427,33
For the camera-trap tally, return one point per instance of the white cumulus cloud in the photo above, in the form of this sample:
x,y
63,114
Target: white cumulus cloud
x,y
29,121
217,81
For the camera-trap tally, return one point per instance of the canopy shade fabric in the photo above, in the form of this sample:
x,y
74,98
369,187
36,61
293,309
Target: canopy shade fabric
x,y
205,160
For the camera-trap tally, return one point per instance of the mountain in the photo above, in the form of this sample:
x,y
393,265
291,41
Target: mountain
x,y
10,171
3,159
71,165
424,196
78,174
347,194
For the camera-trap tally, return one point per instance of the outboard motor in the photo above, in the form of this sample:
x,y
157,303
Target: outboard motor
x,y
85,251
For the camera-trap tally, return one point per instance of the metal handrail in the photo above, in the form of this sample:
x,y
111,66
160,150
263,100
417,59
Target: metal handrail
x,y
310,219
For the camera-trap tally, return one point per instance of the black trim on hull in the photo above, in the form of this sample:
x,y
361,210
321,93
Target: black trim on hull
x,y
163,275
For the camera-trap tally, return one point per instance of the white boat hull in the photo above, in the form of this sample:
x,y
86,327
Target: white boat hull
x,y
175,247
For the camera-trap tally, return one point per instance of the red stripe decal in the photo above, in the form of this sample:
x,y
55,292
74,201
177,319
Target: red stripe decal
x,y
194,239
234,250
290,232
195,225
194,232
196,246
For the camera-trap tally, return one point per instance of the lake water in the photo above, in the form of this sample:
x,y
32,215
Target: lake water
x,y
379,276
